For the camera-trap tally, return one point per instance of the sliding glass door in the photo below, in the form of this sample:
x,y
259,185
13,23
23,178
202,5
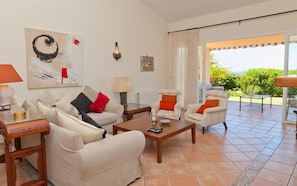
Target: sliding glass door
x,y
290,69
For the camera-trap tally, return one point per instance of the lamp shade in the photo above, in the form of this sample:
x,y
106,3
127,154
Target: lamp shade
x,y
8,74
122,84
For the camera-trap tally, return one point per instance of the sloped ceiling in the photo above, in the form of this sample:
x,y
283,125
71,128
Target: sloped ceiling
x,y
177,10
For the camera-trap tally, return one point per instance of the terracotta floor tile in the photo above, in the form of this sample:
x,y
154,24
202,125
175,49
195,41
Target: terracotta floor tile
x,y
273,176
217,157
229,178
225,167
263,182
157,181
237,156
176,169
210,179
242,165
182,180
246,148
155,169
279,167
203,168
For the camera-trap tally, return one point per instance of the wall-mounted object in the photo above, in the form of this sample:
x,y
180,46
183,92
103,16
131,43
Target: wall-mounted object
x,y
7,75
53,59
122,85
116,52
146,63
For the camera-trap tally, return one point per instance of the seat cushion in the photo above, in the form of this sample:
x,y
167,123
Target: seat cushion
x,y
166,113
195,116
103,118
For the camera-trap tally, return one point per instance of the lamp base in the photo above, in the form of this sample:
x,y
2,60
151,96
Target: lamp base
x,y
123,96
6,94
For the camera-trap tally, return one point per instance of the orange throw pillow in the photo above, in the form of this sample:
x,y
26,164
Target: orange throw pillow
x,y
169,98
212,102
202,108
167,105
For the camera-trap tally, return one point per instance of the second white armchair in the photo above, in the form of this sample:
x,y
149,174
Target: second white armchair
x,y
212,111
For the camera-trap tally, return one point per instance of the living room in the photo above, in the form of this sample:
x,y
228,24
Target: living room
x,y
138,30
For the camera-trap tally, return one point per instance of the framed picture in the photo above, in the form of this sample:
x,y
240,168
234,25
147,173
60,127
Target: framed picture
x,y
146,63
53,59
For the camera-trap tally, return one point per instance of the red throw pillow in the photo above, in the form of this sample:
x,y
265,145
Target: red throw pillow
x,y
212,102
169,98
202,108
99,104
167,105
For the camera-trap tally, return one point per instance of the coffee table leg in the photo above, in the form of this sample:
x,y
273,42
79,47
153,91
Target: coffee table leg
x,y
193,129
159,151
114,130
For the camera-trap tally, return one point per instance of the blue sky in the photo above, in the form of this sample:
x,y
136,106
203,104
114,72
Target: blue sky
x,y
242,59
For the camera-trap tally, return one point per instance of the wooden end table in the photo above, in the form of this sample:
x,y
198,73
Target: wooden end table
x,y
13,128
169,130
134,108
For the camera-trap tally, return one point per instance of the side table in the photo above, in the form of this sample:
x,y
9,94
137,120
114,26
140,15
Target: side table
x,y
13,128
134,108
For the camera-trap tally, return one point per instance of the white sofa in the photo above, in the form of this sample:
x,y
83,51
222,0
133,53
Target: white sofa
x,y
114,160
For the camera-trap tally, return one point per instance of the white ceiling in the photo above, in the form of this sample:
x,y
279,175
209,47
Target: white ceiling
x,y
177,10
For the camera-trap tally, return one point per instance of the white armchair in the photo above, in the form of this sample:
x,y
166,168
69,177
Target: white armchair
x,y
167,107
212,115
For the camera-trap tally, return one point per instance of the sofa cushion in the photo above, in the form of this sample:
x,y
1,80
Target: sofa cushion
x,y
202,108
88,133
167,105
103,118
82,103
29,106
64,104
46,98
89,120
90,93
99,104
48,112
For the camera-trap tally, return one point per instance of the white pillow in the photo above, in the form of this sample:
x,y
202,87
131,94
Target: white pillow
x,y
88,132
29,106
48,112
64,104
46,98
90,93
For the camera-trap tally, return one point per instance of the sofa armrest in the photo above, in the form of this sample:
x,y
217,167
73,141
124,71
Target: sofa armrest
x,y
111,151
115,108
67,139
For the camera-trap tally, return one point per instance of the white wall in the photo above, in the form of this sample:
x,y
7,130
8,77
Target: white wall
x,y
137,29
281,24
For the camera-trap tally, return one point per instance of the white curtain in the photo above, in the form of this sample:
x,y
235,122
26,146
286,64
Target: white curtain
x,y
183,64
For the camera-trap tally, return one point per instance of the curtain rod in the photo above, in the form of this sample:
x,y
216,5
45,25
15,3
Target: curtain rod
x,y
239,21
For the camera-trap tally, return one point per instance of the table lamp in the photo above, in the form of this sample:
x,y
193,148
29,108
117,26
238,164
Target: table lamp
x,y
7,75
122,85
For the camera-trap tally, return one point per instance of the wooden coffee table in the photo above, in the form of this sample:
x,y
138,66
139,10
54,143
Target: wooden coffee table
x,y
169,130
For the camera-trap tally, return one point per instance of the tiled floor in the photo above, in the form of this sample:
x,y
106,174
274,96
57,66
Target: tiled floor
x,y
257,149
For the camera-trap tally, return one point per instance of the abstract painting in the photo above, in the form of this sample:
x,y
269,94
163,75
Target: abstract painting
x,y
53,59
